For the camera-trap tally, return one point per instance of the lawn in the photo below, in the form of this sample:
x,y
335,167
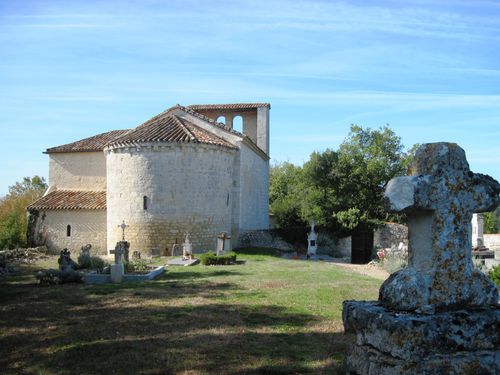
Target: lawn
x,y
266,315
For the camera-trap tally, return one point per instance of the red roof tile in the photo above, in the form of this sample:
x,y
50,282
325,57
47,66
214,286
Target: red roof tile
x,y
71,200
95,143
241,106
167,127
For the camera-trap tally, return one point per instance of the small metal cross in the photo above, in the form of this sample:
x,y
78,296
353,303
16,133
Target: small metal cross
x,y
123,226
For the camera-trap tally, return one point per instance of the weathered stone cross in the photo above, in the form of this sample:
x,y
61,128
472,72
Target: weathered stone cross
x,y
123,226
439,198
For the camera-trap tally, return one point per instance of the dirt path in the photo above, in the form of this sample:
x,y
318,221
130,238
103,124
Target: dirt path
x,y
364,269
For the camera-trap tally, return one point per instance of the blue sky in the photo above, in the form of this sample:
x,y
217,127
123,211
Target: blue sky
x,y
72,69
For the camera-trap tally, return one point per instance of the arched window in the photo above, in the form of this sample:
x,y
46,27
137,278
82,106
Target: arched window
x,y
68,230
145,202
238,124
221,119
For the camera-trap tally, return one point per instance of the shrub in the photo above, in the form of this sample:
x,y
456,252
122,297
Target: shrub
x,y
211,259
494,275
84,260
97,263
326,245
393,259
136,265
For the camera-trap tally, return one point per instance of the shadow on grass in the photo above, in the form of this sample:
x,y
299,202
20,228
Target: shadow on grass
x,y
209,338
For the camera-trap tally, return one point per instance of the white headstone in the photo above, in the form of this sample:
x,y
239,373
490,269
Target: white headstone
x,y
117,271
477,231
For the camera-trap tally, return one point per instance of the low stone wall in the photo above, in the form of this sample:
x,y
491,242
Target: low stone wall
x,y
492,241
263,238
390,235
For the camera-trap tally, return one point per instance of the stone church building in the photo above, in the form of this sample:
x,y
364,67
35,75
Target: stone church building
x,y
181,171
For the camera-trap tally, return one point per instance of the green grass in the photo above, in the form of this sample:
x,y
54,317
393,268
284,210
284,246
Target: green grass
x,y
266,315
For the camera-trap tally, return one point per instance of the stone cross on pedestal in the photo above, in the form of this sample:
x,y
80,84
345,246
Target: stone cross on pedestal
x,y
312,240
123,226
439,198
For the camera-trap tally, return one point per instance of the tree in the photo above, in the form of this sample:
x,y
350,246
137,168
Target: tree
x,y
285,194
492,221
13,215
344,189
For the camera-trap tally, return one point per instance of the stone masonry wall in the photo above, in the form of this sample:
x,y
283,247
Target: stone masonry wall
x,y
188,188
87,227
77,170
390,235
254,191
492,241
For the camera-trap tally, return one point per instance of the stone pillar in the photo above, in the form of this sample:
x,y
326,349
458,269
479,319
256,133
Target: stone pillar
x,y
439,315
477,231
312,241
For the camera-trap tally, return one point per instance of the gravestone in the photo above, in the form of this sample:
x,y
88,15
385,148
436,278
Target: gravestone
x,y
223,243
187,248
187,255
438,315
121,254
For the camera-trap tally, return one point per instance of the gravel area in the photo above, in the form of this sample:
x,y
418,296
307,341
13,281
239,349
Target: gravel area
x,y
373,270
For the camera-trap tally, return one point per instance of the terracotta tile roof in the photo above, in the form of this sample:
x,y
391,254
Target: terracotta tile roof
x,y
167,127
71,200
229,106
95,143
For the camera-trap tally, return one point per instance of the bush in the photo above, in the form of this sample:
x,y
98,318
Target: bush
x,y
84,260
393,259
136,265
494,275
326,246
211,259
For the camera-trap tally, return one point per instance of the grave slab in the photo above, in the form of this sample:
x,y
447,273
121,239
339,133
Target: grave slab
x,y
182,262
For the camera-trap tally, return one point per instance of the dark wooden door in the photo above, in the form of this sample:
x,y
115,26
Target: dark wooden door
x,y
361,247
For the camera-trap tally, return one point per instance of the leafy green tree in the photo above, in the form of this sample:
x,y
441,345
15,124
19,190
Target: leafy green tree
x,y
285,194
492,221
13,215
344,189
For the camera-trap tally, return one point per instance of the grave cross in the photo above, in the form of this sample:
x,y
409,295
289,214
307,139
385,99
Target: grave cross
x,y
439,198
123,226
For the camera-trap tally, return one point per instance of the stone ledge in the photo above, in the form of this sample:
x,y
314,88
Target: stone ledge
x,y
99,278
410,336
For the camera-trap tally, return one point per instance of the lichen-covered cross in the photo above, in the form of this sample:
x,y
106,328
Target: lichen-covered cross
x,y
123,226
439,198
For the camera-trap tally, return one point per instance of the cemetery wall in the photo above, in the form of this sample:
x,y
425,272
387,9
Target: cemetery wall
x,y
87,227
77,170
390,235
187,188
492,241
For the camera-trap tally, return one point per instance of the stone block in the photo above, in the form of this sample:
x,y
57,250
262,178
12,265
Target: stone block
x,y
117,271
390,342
